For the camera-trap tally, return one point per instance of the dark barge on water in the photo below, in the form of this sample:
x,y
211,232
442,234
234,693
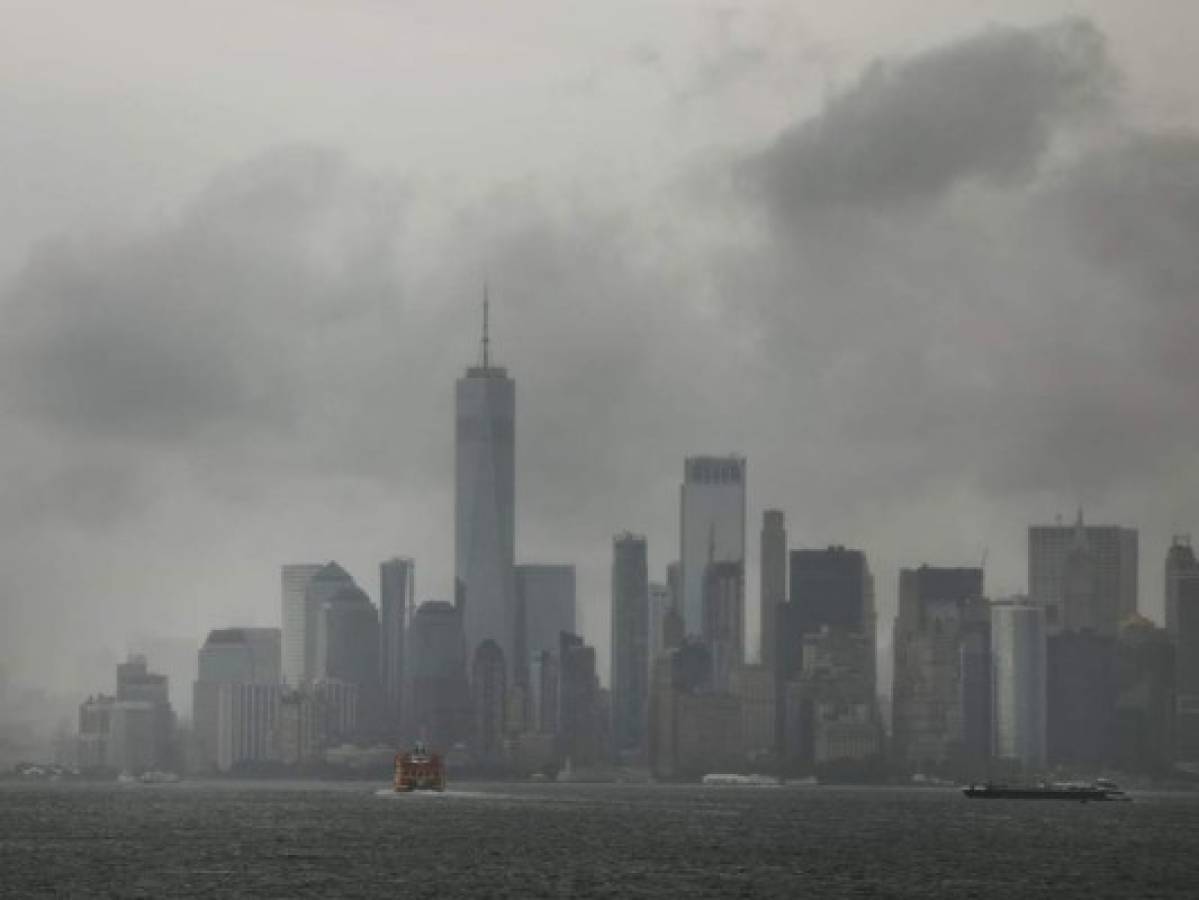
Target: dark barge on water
x,y
1100,790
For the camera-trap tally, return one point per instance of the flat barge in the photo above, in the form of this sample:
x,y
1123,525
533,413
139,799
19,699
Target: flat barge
x,y
1097,791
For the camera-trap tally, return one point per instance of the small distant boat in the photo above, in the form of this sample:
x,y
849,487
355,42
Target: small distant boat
x,y
568,774
718,778
154,776
1100,790
418,770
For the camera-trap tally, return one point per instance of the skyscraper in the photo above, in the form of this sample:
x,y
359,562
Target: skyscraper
x,y
295,578
545,599
1080,698
711,526
136,729
347,643
579,728
234,698
941,703
659,608
1096,561
397,602
724,620
438,703
489,687
773,580
1144,739
240,655
323,586
1182,623
543,690
674,584
630,640
484,513
824,661
1018,652
828,588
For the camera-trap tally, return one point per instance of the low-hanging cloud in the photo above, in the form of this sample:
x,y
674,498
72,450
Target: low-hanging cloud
x,y
193,328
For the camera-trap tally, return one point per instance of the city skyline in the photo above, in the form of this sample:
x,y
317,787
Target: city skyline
x,y
318,433
629,447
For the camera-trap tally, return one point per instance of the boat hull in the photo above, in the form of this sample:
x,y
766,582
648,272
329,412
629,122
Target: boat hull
x,y
1071,795
418,771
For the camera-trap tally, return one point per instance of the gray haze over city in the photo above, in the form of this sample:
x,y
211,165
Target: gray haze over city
x,y
930,268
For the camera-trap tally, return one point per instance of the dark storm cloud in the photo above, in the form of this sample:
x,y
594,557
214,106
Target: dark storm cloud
x,y
194,328
270,333
985,107
1027,341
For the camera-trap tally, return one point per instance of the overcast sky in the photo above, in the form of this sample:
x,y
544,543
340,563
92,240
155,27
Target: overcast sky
x,y
931,267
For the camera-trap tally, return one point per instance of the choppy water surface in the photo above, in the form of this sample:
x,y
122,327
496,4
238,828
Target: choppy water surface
x,y
552,840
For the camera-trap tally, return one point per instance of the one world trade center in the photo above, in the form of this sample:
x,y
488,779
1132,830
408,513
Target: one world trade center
x,y
484,516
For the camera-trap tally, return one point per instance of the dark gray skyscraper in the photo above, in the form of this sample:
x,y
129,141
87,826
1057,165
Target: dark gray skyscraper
x,y
396,605
826,651
347,647
484,517
724,620
941,706
1084,575
545,598
832,588
773,580
630,640
438,706
1182,623
489,701
579,732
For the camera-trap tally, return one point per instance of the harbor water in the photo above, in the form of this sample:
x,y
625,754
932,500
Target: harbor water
x,y
291,839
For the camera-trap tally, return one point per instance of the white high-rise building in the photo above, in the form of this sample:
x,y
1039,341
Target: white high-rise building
x,y
238,679
484,512
1018,651
711,526
295,616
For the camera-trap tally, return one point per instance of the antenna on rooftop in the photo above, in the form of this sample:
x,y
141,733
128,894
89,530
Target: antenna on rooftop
x,y
486,337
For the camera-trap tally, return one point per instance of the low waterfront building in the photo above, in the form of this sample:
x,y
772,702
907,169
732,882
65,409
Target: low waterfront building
x,y
95,719
754,687
300,731
693,729
133,736
235,696
246,717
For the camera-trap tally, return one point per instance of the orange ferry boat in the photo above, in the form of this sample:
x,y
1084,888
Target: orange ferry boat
x,y
419,770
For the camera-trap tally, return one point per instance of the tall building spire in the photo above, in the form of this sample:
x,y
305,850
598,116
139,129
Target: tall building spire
x,y
1080,531
486,336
